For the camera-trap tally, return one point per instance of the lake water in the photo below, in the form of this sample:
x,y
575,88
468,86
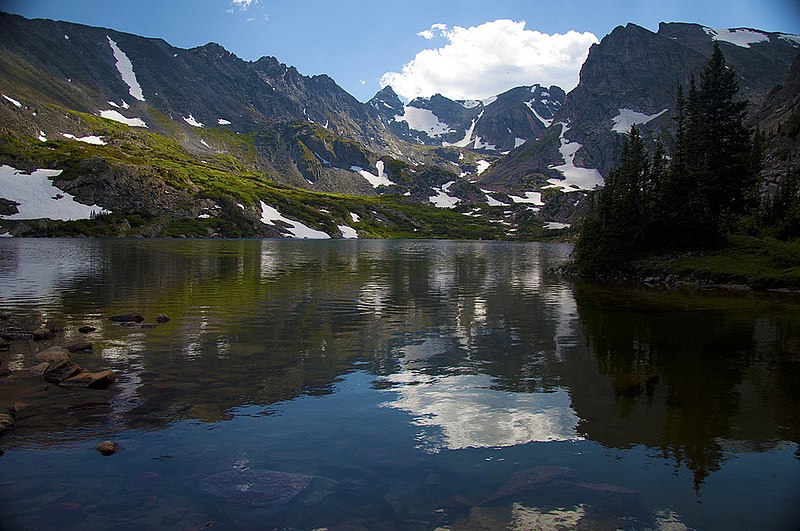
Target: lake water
x,y
393,385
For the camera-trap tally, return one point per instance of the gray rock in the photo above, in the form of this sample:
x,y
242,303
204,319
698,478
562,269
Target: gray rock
x,y
161,318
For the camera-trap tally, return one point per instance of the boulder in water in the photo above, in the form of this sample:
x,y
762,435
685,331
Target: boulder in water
x,y
52,355
92,380
130,317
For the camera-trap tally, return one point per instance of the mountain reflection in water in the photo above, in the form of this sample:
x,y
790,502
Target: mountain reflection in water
x,y
443,383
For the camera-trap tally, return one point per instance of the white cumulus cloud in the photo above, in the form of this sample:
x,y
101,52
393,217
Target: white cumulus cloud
x,y
491,58
244,4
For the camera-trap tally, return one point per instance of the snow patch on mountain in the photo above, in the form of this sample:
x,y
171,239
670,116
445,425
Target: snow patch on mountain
x,y
555,225
538,116
348,232
483,165
269,215
117,117
470,104
491,201
740,36
223,121
423,120
794,40
192,121
12,100
534,198
125,69
91,139
464,142
442,199
381,179
574,177
627,118
42,137
37,197
518,142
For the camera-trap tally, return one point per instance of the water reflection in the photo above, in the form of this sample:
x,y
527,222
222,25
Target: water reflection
x,y
701,378
473,344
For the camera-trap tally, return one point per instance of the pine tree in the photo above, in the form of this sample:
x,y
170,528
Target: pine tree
x,y
724,140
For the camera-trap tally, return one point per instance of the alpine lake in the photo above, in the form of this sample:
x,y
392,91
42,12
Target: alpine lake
x,y
367,384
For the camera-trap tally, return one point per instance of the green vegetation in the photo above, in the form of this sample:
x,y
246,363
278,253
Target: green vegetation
x,y
229,181
757,262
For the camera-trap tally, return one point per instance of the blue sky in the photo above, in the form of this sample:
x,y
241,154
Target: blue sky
x,y
357,42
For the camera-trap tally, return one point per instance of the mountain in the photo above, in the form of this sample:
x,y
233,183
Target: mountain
x,y
631,77
494,125
201,142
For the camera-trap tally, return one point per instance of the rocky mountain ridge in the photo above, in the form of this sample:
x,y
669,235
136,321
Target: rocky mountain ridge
x,y
203,121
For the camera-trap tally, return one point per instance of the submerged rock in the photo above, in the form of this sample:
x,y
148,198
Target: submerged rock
x,y
52,355
6,423
92,380
256,488
132,324
41,334
4,346
130,317
86,329
17,408
78,346
108,448
38,369
161,318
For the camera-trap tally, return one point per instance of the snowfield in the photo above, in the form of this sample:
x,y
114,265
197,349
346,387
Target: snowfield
x,y
574,177
348,232
269,215
627,117
442,199
740,37
191,121
12,100
423,120
381,179
38,198
125,69
91,139
118,117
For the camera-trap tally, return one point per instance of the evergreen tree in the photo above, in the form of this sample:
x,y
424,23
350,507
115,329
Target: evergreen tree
x,y
724,140
649,204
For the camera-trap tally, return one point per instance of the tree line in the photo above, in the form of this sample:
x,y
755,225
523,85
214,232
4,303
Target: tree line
x,y
651,202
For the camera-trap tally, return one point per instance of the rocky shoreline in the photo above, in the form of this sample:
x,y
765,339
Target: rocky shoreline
x,y
48,353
